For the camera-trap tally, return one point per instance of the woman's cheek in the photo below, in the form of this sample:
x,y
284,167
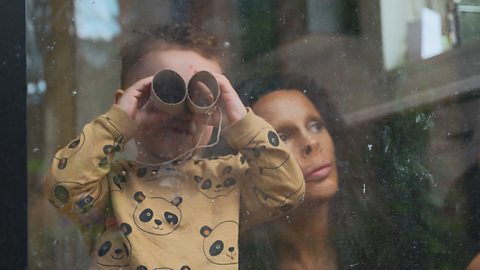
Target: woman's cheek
x,y
295,149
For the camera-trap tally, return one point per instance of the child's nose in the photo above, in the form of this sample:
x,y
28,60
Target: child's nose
x,y
185,115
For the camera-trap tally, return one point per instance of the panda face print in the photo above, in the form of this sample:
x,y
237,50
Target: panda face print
x,y
109,150
71,149
273,138
184,267
213,187
85,203
60,196
254,150
220,243
119,181
114,249
283,206
156,215
293,199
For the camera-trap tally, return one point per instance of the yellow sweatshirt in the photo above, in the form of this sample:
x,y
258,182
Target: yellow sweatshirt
x,y
185,215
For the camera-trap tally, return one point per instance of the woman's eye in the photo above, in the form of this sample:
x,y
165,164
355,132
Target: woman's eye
x,y
316,126
282,136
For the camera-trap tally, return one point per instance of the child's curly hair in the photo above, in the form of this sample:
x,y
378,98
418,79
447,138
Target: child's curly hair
x,y
171,36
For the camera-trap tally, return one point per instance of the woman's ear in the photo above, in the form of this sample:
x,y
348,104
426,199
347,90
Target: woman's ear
x,y
117,96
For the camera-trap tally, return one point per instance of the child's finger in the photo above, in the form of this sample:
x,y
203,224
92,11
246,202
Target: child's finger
x,y
135,95
141,87
225,85
230,101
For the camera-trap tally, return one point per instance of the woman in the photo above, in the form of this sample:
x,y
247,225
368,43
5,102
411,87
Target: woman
x,y
332,229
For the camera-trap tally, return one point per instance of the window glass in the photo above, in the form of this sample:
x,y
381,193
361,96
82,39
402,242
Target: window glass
x,y
397,89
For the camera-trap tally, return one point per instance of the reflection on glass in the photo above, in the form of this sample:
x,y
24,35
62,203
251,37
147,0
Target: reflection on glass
x,y
408,177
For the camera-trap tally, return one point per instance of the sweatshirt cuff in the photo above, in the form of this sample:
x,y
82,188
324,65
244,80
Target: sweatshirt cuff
x,y
244,130
122,121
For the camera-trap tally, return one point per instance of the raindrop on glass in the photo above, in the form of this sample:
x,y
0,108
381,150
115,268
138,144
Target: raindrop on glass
x,y
31,88
41,86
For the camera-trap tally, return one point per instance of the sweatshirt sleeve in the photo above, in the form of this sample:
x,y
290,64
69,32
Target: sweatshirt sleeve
x,y
76,182
273,183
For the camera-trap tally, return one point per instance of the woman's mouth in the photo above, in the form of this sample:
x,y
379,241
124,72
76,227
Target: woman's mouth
x,y
319,173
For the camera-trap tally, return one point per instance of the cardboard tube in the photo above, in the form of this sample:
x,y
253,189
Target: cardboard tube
x,y
168,92
203,92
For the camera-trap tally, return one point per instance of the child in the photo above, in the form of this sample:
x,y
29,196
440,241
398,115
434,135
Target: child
x,y
166,210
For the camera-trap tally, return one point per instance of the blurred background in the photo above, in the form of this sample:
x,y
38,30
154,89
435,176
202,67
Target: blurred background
x,y
405,75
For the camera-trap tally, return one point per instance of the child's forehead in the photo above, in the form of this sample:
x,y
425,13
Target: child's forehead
x,y
185,62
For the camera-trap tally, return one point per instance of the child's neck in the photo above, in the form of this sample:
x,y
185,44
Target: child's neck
x,y
146,157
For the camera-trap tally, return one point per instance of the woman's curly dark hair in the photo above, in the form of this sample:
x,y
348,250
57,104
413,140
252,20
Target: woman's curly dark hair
x,y
252,90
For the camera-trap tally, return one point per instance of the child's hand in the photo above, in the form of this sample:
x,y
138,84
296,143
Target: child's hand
x,y
134,97
134,101
229,100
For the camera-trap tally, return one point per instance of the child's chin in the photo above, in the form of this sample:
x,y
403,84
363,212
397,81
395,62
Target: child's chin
x,y
169,155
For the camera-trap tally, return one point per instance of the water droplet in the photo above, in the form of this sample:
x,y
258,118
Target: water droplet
x,y
288,219
369,147
41,86
74,92
35,150
31,88
226,44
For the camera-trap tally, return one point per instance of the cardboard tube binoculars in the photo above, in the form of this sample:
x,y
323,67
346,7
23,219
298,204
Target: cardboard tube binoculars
x,y
170,94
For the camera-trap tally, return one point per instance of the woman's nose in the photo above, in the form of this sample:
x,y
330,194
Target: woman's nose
x,y
310,146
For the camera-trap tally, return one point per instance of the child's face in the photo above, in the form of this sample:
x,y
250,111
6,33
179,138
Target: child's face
x,y
301,127
166,139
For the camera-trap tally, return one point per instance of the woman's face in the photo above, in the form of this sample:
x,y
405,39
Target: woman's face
x,y
302,128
